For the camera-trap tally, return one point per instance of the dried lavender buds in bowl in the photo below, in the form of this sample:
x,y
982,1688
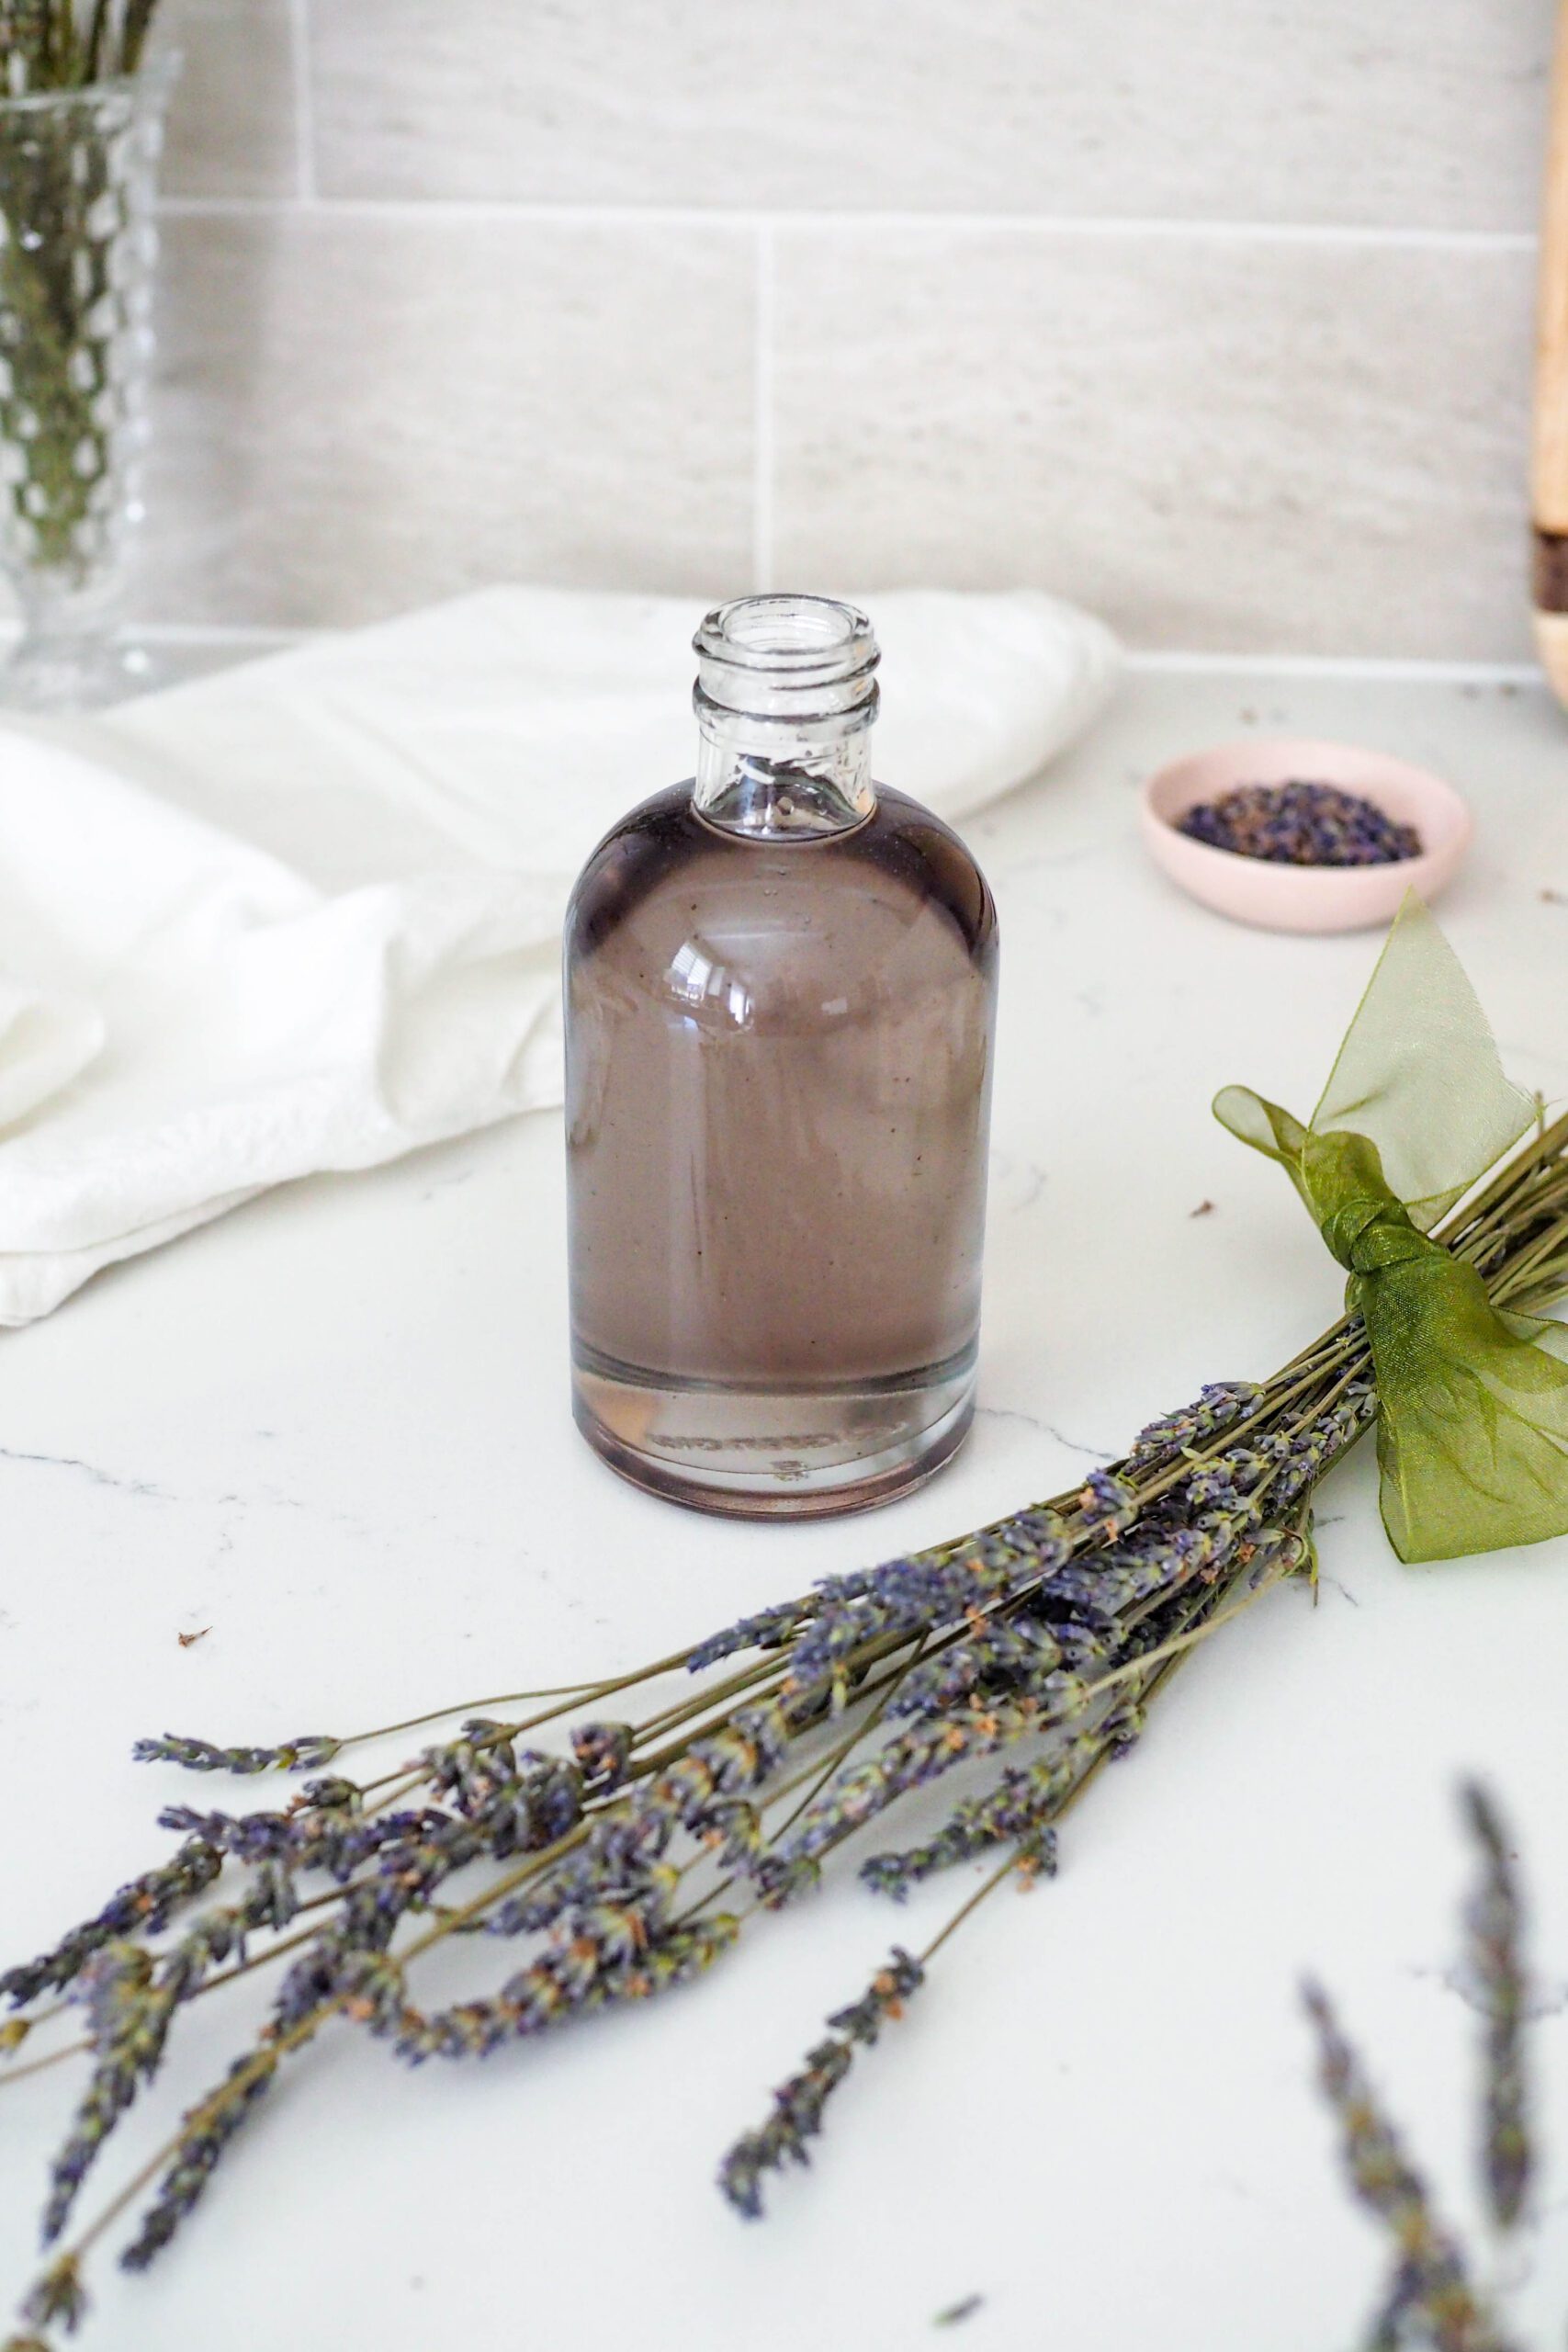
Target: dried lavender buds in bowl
x,y
1294,834
1301,823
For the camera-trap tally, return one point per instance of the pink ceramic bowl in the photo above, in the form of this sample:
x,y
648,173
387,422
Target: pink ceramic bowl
x,y
1305,898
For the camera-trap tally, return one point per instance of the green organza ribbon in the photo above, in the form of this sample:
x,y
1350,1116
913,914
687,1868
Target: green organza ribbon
x,y
1472,1402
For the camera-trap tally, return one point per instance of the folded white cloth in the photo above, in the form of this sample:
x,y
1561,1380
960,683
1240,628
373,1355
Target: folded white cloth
x,y
305,914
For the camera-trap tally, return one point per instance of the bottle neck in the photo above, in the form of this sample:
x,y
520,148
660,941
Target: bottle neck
x,y
781,791
786,699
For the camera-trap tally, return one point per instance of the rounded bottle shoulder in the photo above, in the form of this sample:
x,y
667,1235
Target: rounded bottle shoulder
x,y
662,868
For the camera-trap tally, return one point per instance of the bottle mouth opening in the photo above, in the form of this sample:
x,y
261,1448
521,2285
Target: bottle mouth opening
x,y
774,662
798,640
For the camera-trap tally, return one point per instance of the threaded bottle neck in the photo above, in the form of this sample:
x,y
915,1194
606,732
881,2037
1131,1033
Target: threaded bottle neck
x,y
785,697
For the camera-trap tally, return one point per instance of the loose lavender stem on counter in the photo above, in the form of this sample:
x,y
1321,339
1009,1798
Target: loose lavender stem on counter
x,y
798,2104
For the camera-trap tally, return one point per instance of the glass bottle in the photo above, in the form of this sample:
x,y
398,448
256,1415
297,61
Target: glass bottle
x,y
780,1001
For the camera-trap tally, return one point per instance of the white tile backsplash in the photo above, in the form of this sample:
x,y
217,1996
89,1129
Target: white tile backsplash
x,y
1222,110
234,130
1262,446
1214,313
362,415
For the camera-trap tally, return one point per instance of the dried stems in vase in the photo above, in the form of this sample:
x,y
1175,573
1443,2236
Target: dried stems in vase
x,y
66,44
81,109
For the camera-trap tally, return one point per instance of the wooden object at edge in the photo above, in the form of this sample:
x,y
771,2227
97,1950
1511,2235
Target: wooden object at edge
x,y
1548,477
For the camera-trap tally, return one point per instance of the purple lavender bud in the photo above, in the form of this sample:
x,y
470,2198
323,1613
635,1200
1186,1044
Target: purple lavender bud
x,y
142,1907
798,2104
307,1753
207,2133
1301,823
58,2296
602,1752
1221,1404
768,1629
1493,1918
1108,1505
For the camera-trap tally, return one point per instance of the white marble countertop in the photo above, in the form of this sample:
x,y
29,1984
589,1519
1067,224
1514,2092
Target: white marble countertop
x,y
332,1428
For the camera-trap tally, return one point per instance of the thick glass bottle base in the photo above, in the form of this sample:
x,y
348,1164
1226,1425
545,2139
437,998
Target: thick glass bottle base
x,y
765,1453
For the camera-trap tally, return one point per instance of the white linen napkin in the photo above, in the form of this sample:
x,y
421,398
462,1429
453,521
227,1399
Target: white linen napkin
x,y
305,914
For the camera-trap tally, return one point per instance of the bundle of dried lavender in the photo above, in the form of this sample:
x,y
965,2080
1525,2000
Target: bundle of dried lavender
x,y
627,1863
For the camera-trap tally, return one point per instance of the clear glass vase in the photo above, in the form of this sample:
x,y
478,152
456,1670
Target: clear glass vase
x,y
78,247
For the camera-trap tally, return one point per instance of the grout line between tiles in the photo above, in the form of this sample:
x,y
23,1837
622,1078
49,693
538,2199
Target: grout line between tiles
x,y
304,101
1174,229
762,418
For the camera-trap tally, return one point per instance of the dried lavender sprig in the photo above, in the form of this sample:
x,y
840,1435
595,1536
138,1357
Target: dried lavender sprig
x,y
576,1981
532,1805
311,1752
986,1719
1440,2293
127,2028
326,1828
766,1629
58,2296
921,1590
1034,1853
132,2006
1390,2329
144,1907
373,1993
629,1962
1024,1800
911,1759
64,2275
1033,1548
209,2129
1019,1805
1108,1504
1493,1918
1014,1653
842,1614
1216,1407
798,2104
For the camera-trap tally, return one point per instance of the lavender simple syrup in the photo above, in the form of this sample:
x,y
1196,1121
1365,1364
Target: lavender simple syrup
x,y
781,987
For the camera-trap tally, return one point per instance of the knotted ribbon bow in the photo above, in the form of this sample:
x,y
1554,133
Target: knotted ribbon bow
x,y
1473,1401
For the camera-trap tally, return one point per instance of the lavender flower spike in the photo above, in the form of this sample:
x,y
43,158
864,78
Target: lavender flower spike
x,y
59,2295
798,2104
1221,1403
1439,2292
311,1752
209,2129
142,1907
1492,1917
